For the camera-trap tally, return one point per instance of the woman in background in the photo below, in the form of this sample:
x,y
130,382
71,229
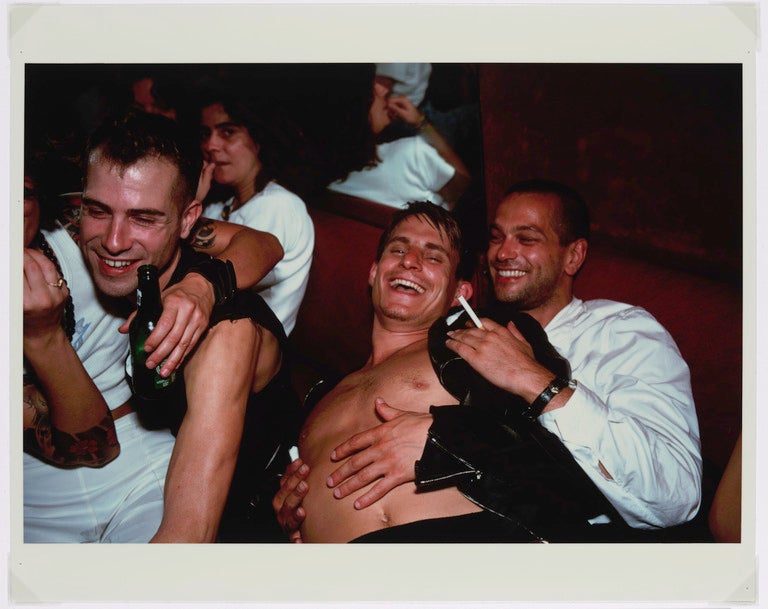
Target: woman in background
x,y
423,167
246,147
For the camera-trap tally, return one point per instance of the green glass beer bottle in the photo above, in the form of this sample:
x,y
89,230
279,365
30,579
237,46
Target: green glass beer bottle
x,y
147,382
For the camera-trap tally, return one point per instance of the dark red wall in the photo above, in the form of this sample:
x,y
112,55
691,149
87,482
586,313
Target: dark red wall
x,y
654,149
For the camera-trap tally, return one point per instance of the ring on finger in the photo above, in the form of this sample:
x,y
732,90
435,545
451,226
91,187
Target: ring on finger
x,y
59,284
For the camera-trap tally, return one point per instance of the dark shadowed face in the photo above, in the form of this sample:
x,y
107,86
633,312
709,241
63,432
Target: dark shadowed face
x,y
31,211
379,116
131,218
144,99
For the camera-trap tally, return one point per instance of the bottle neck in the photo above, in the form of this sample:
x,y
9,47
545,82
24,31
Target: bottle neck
x,y
148,302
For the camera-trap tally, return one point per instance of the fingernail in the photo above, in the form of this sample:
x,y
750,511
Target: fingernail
x,y
301,486
304,469
329,482
357,505
337,493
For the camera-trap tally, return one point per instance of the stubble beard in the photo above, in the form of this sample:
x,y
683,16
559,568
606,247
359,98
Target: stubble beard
x,y
529,297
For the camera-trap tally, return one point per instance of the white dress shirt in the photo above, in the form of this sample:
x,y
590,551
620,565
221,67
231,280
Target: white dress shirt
x,y
632,411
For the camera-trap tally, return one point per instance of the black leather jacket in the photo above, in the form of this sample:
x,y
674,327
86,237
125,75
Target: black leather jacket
x,y
501,460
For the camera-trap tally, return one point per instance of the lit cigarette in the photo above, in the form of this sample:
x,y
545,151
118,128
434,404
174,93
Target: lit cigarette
x,y
472,315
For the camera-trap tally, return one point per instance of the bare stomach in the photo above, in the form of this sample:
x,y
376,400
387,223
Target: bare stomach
x,y
332,520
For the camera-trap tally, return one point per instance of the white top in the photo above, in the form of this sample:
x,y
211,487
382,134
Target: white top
x,y
632,411
410,170
411,79
100,347
278,211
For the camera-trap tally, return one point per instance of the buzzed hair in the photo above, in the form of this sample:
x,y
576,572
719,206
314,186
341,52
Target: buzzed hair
x,y
440,218
573,222
136,136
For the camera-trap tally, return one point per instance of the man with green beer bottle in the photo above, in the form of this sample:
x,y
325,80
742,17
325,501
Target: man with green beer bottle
x,y
139,206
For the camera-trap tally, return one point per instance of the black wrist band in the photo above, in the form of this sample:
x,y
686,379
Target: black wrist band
x,y
220,274
556,385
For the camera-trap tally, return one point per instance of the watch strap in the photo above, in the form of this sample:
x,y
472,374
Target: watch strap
x,y
556,385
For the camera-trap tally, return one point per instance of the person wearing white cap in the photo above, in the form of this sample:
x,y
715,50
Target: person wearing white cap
x,y
423,167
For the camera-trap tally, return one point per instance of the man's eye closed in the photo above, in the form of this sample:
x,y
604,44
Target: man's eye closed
x,y
145,220
94,212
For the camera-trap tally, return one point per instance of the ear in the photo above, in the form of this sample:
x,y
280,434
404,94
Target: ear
x,y
575,256
189,216
372,273
463,288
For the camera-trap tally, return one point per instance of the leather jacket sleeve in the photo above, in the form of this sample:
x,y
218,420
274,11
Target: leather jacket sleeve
x,y
499,459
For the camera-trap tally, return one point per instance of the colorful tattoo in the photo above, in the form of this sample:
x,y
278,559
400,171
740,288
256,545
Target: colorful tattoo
x,y
38,439
93,447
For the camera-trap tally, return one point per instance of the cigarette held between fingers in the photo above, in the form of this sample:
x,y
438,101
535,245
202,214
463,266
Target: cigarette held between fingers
x,y
472,315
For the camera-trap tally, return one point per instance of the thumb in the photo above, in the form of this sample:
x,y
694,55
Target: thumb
x,y
126,324
385,411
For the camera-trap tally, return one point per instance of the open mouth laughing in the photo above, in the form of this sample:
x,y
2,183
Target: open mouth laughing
x,y
404,285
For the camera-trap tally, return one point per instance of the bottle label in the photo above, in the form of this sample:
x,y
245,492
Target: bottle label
x,y
160,382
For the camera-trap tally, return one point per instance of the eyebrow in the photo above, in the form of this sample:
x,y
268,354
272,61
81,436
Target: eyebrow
x,y
226,125
428,245
148,211
518,228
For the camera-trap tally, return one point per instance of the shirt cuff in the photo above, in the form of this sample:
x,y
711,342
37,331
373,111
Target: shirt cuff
x,y
581,421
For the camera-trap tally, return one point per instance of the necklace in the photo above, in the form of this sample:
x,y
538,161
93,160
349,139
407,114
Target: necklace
x,y
68,321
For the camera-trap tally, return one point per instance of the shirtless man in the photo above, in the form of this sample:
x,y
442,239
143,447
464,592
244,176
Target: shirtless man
x,y
628,387
414,282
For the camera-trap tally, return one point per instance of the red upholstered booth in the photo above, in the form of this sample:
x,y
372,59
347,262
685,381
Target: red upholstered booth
x,y
703,315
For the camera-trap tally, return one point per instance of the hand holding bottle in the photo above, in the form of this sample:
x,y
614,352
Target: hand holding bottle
x,y
186,310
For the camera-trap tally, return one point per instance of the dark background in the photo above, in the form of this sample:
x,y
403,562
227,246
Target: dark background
x,y
655,149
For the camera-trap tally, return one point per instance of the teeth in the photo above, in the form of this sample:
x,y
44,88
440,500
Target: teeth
x,y
510,273
116,264
406,284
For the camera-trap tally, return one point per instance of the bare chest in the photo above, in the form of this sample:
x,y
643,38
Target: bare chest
x,y
406,382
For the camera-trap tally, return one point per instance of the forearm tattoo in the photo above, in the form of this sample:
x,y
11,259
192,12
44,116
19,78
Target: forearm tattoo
x,y
203,235
93,447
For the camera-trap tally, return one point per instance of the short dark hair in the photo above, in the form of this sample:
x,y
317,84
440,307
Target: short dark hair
x,y
136,136
442,219
574,214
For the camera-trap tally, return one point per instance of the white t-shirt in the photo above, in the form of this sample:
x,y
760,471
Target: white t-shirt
x,y
278,211
632,411
410,170
100,347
